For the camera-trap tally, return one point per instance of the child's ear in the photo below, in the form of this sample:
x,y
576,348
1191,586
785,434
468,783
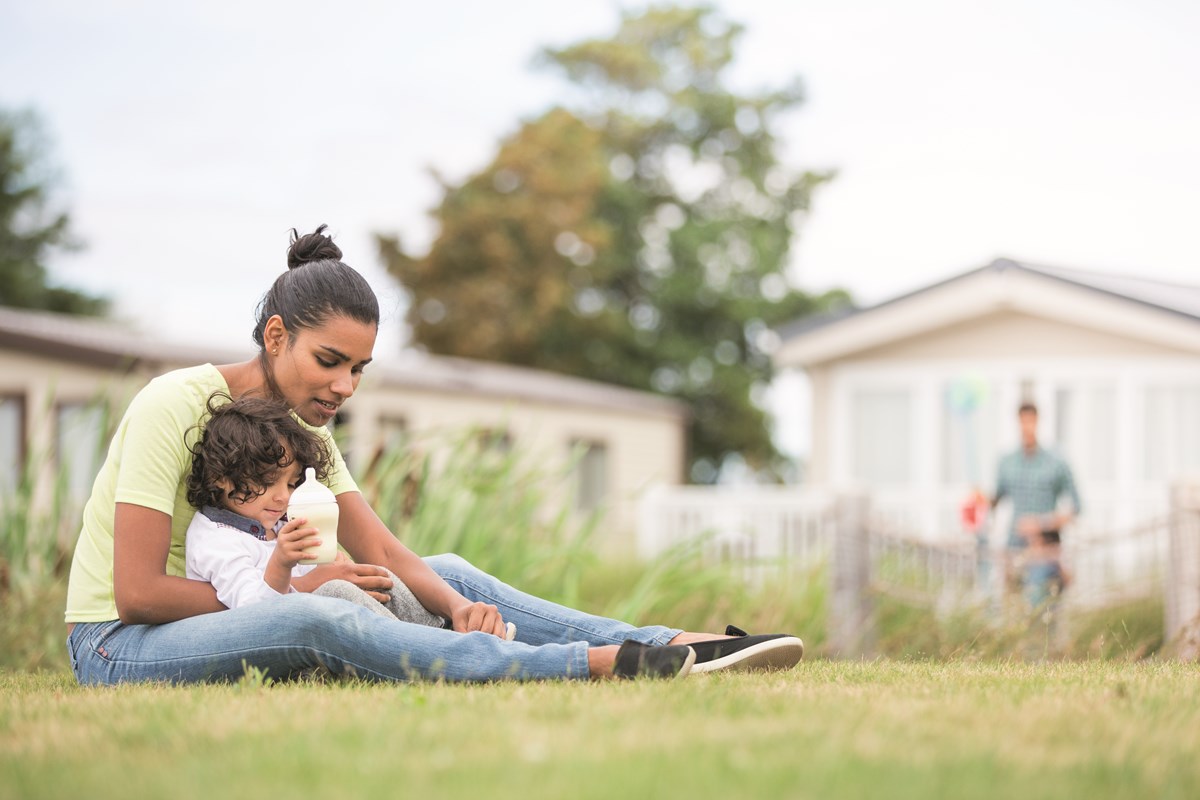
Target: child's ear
x,y
226,486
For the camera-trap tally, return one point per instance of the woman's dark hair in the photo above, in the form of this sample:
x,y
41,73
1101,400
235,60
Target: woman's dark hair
x,y
246,442
316,286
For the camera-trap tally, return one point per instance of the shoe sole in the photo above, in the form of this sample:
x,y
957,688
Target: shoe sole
x,y
689,665
769,656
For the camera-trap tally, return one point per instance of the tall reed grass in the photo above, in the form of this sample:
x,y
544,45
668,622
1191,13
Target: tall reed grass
x,y
37,530
495,506
39,524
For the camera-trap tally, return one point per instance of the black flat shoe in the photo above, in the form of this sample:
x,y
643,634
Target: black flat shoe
x,y
636,660
745,653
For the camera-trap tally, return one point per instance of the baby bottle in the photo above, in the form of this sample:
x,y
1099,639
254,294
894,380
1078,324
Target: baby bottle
x,y
315,503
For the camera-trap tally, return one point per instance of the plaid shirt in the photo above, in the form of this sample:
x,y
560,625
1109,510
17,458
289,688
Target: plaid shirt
x,y
1034,482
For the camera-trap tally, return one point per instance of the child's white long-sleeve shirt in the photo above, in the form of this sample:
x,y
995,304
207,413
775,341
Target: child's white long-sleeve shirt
x,y
222,548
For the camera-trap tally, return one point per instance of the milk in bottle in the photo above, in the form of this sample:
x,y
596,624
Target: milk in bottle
x,y
316,503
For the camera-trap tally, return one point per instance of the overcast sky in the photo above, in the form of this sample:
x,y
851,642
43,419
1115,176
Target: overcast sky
x,y
191,136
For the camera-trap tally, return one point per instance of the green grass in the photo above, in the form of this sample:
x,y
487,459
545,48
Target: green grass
x,y
958,714
895,729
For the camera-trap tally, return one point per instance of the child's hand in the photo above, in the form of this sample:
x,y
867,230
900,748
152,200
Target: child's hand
x,y
1029,526
293,543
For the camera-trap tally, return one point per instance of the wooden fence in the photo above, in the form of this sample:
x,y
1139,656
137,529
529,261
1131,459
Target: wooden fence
x,y
1182,598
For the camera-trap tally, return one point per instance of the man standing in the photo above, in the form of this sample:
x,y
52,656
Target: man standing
x,y
1034,479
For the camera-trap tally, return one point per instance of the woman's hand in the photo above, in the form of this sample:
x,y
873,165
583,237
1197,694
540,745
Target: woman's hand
x,y
371,579
478,617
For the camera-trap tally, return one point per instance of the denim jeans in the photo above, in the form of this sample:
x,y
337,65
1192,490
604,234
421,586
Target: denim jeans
x,y
293,633
1042,582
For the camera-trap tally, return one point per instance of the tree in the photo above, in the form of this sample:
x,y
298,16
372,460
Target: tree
x,y
640,239
29,229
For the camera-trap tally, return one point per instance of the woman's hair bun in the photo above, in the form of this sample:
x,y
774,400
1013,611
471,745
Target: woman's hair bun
x,y
315,246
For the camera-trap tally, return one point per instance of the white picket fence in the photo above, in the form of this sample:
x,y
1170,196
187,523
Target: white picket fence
x,y
758,525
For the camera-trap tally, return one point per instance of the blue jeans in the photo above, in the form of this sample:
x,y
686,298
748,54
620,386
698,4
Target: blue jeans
x,y
287,635
1042,582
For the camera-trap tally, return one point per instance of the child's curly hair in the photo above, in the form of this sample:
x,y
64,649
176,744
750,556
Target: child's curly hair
x,y
246,442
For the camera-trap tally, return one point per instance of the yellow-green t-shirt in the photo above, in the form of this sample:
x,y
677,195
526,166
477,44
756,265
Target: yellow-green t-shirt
x,y
147,465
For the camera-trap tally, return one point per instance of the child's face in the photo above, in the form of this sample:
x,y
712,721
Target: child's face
x,y
272,504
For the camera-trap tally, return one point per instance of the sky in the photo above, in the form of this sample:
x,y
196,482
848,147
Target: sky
x,y
190,137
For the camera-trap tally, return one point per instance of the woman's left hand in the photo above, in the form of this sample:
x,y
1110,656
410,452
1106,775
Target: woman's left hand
x,y
371,579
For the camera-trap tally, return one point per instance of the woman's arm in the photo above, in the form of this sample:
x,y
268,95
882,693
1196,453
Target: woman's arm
x,y
368,540
144,592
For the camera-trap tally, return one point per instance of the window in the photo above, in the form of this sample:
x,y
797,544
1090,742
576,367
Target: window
x,y
495,439
968,422
391,444
393,433
881,435
1102,428
1085,430
591,474
1172,440
1027,392
12,442
79,430
393,439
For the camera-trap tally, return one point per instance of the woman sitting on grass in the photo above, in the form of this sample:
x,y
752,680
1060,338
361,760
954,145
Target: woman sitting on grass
x,y
133,616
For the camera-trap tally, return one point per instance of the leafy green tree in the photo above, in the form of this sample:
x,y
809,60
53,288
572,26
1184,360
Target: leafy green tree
x,y
29,229
640,238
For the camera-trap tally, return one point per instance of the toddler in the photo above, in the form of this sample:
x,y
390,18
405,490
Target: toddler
x,y
249,457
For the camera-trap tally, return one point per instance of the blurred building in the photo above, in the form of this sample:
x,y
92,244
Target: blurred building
x,y
64,381
915,399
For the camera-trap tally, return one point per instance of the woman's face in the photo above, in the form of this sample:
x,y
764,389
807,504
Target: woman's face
x,y
321,368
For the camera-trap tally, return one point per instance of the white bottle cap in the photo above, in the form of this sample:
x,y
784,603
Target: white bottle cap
x,y
311,491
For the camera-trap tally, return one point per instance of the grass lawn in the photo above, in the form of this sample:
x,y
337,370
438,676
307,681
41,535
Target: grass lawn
x,y
827,729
